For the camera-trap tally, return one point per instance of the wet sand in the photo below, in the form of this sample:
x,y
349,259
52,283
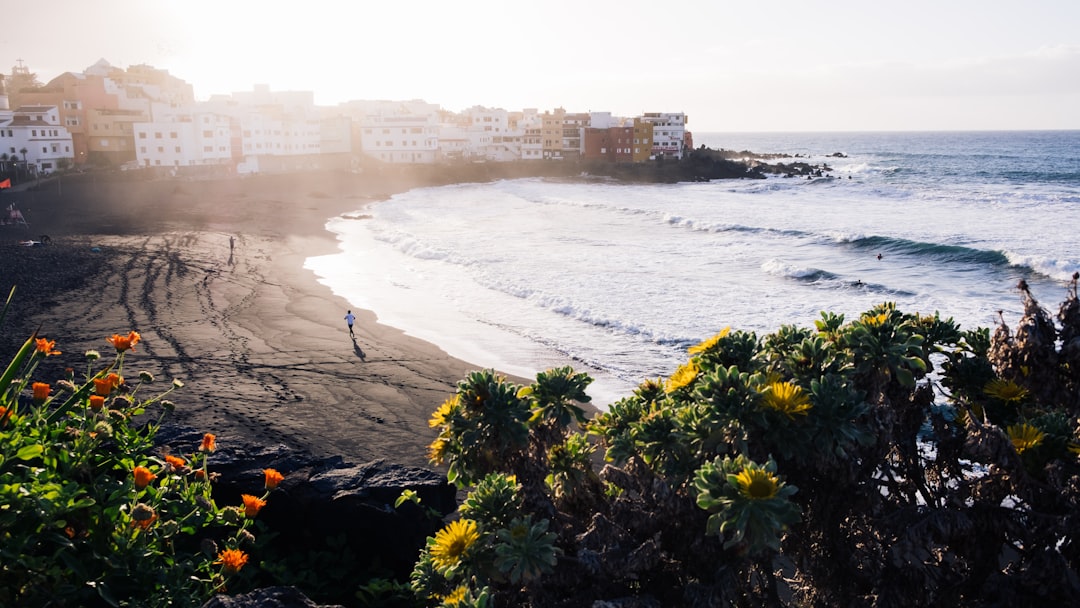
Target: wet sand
x,y
261,346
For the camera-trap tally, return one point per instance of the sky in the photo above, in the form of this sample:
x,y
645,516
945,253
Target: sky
x,y
744,66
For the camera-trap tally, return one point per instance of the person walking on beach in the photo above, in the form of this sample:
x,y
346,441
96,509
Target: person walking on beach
x,y
350,319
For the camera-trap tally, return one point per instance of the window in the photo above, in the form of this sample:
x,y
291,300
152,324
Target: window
x,y
177,149
142,149
172,134
157,135
206,149
161,149
33,133
207,133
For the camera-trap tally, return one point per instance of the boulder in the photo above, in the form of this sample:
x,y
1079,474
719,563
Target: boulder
x,y
269,597
328,506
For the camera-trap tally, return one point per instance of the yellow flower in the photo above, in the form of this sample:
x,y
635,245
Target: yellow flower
x,y
455,597
1024,437
757,484
437,451
709,344
122,343
683,377
453,542
252,505
441,414
45,347
232,560
787,398
875,321
273,478
1005,390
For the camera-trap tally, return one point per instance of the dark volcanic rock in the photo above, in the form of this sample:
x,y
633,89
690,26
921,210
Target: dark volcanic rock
x,y
270,597
325,504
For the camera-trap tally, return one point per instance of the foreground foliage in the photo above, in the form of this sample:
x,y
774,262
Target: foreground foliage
x,y
90,515
893,459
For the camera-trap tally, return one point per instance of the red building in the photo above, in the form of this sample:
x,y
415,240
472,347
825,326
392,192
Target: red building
x,y
614,144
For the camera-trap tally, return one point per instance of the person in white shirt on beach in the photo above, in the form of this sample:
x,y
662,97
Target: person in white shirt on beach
x,y
350,319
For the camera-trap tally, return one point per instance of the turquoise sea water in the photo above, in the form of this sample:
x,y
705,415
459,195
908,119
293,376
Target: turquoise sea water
x,y
617,280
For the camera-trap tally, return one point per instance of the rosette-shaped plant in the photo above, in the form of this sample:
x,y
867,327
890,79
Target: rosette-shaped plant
x,y
525,550
885,347
571,478
495,501
750,505
483,430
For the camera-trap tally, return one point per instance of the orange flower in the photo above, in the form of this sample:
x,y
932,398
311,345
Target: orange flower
x,y
142,516
41,391
122,343
252,504
45,347
175,462
209,443
232,560
104,386
273,478
143,477
200,475
97,402
4,414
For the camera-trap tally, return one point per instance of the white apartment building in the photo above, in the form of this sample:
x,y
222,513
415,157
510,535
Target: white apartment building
x,y
401,132
669,132
34,135
181,139
489,134
529,123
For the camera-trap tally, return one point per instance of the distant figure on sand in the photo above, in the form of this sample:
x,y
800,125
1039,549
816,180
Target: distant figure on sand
x,y
350,319
231,243
879,256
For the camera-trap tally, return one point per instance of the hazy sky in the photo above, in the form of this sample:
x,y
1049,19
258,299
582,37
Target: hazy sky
x,y
731,66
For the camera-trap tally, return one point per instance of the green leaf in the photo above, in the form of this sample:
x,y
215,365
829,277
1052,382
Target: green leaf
x,y
28,452
16,363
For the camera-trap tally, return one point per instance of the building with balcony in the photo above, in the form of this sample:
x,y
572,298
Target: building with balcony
x,y
669,131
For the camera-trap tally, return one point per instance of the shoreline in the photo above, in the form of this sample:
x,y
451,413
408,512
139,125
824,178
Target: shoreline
x,y
260,344
467,339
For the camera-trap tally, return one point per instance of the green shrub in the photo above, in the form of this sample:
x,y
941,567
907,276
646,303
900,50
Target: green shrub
x,y
89,514
891,460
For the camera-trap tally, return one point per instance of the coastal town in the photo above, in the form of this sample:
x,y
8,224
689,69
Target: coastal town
x,y
142,117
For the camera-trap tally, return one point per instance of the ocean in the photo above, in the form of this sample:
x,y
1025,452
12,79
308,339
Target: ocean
x,y
617,280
